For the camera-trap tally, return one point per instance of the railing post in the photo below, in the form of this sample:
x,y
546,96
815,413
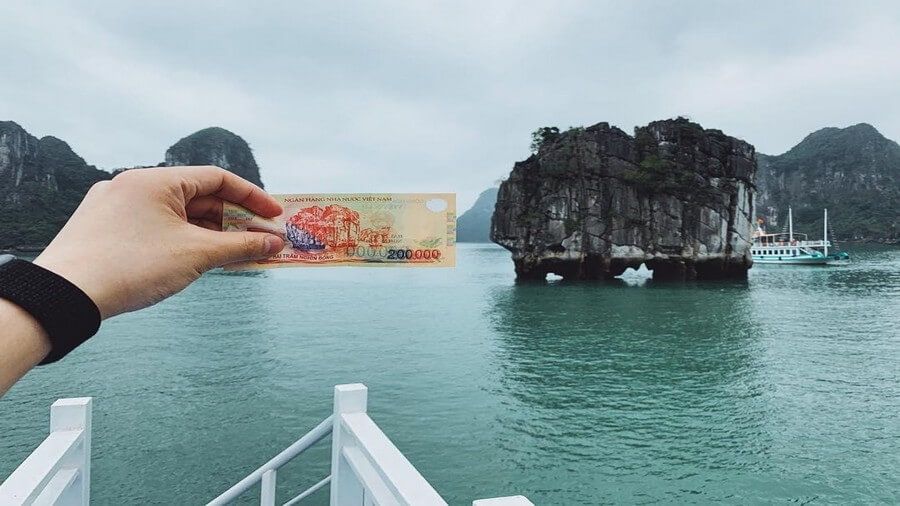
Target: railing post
x,y
267,488
75,414
345,488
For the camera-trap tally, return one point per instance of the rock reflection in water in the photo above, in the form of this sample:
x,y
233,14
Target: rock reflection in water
x,y
654,376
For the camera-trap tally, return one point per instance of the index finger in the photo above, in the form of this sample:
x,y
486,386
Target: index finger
x,y
210,180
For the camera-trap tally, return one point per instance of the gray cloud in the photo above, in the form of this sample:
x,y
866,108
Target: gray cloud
x,y
414,96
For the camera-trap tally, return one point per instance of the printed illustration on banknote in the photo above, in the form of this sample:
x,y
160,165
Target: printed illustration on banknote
x,y
355,229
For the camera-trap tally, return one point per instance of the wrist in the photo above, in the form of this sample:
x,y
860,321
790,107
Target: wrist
x,y
76,272
66,315
25,342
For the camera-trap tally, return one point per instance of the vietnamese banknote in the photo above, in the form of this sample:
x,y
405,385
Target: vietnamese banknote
x,y
355,229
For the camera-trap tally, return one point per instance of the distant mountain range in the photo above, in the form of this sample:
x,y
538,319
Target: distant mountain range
x,y
43,180
474,225
853,171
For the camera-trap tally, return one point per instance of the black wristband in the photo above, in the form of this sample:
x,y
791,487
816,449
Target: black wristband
x,y
65,312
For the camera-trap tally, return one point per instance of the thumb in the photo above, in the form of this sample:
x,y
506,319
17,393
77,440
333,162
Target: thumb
x,y
229,247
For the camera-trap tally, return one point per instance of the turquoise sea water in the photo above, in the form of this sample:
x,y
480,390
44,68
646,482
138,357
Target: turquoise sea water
x,y
785,388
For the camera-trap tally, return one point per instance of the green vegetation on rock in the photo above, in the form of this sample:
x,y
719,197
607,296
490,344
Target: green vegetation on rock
x,y
543,135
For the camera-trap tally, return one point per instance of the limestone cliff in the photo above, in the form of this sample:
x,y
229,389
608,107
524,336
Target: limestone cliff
x,y
41,183
594,201
215,146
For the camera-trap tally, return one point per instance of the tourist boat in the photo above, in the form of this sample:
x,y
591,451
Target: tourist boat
x,y
794,249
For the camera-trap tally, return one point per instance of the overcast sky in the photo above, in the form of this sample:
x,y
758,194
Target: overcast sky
x,y
404,96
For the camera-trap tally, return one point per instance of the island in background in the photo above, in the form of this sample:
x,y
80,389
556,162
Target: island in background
x,y
43,180
474,225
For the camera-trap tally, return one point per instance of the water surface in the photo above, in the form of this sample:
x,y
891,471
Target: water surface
x,y
784,388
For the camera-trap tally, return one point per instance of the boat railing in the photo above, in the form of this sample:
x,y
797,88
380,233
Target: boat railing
x,y
366,467
795,242
58,471
266,474
815,244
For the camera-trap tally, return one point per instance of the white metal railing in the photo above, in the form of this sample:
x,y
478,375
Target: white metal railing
x,y
58,471
366,468
266,473
802,242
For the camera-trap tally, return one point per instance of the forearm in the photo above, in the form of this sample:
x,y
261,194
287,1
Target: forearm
x,y
23,344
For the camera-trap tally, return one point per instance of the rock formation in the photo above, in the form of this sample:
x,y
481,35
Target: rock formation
x,y
474,225
41,183
853,171
216,146
594,201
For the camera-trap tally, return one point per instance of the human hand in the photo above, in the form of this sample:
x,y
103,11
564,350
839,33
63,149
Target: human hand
x,y
149,233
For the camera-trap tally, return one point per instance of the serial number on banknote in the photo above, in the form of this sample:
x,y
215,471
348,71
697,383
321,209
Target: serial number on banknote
x,y
355,229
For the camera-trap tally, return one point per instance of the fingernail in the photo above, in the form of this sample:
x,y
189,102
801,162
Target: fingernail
x,y
274,244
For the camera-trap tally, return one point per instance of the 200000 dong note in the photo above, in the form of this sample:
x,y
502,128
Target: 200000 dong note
x,y
355,229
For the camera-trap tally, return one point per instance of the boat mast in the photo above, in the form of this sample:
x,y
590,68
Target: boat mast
x,y
790,226
825,234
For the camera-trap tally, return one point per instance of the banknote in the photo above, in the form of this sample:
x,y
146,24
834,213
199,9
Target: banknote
x,y
355,229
